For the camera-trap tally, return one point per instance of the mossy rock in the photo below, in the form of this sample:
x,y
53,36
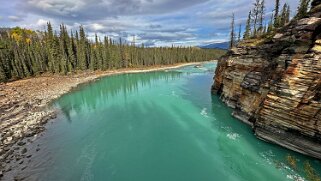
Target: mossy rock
x,y
252,42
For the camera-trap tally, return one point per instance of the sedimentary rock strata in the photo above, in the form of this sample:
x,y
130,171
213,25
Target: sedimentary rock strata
x,y
274,84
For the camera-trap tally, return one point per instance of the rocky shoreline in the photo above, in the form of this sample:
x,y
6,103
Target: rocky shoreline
x,y
24,108
274,84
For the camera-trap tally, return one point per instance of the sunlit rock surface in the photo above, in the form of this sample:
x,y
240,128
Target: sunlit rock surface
x,y
275,84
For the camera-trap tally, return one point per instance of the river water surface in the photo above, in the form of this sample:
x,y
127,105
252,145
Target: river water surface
x,y
156,126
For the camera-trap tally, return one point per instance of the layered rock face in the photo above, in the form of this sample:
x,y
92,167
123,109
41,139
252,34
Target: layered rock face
x,y
275,84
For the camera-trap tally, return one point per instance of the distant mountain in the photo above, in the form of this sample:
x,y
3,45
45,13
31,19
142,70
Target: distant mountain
x,y
223,45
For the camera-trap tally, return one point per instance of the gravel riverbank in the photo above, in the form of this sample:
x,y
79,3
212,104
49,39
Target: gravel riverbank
x,y
24,109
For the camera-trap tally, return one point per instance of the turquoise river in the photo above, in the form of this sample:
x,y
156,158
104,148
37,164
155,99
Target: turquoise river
x,y
155,126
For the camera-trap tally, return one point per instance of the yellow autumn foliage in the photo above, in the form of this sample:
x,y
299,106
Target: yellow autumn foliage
x,y
19,34
16,36
28,40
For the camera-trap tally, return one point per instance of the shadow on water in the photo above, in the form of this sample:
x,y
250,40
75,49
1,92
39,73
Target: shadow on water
x,y
245,145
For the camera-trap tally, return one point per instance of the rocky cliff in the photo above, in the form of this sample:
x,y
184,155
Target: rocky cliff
x,y
274,84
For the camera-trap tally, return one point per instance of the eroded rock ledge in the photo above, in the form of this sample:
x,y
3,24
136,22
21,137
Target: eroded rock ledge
x,y
274,84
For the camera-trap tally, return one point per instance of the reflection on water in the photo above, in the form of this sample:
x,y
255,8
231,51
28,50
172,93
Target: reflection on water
x,y
95,94
157,126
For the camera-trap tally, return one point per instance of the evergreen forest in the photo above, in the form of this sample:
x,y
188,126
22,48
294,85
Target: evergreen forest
x,y
25,53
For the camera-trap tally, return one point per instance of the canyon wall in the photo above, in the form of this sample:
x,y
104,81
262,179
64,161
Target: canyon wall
x,y
274,84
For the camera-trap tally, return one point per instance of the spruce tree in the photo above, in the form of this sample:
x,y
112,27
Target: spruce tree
x,y
284,15
106,54
72,53
276,13
81,52
56,55
63,55
247,33
232,35
50,48
303,9
98,53
239,35
50,31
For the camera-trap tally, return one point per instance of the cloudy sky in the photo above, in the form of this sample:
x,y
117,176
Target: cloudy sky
x,y
153,22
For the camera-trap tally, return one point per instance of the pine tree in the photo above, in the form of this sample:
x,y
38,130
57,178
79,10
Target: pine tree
x,y
72,53
303,9
284,15
50,48
276,13
106,54
50,31
63,55
247,33
232,35
98,53
56,55
239,35
81,52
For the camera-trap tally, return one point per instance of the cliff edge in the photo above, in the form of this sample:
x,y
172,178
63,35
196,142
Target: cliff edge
x,y
274,84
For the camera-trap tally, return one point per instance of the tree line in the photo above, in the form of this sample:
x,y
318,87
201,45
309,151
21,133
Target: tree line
x,y
256,25
25,53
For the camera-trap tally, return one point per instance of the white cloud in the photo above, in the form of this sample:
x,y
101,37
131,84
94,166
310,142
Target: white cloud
x,y
42,22
97,27
100,9
153,22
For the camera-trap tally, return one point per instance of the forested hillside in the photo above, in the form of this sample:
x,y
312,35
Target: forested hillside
x,y
25,53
